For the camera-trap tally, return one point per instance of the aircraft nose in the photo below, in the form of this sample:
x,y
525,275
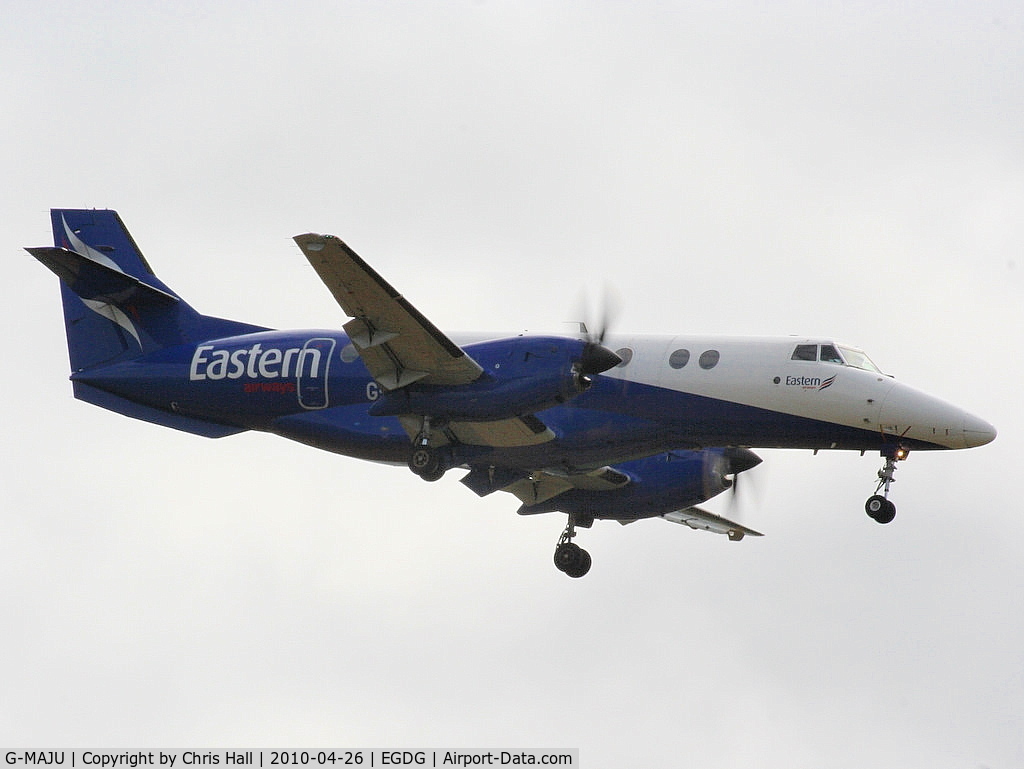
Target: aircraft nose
x,y
977,432
917,415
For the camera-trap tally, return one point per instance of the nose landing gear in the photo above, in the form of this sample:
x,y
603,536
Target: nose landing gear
x,y
570,558
878,507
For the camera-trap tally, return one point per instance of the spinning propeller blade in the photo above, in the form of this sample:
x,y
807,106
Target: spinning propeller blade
x,y
596,357
739,460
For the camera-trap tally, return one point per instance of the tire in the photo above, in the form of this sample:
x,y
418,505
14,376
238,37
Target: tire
x,y
435,475
567,556
875,506
426,463
888,513
582,565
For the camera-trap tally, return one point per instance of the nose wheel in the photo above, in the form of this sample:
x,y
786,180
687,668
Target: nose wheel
x,y
879,507
570,558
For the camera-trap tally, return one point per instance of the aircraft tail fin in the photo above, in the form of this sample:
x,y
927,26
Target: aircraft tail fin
x,y
115,307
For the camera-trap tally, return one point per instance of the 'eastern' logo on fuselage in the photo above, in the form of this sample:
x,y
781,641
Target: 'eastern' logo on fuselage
x,y
306,367
810,382
254,362
272,362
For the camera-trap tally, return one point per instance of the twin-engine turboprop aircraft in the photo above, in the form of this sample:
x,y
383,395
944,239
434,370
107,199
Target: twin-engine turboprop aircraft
x,y
617,428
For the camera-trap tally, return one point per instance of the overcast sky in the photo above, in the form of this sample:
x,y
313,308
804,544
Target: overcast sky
x,y
786,168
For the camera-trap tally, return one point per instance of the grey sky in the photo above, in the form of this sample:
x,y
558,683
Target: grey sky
x,y
804,168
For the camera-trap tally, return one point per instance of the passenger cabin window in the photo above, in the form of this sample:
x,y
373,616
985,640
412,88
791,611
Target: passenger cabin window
x,y
626,354
709,359
806,352
679,358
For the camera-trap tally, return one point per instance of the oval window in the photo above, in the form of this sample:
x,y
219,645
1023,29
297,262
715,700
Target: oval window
x,y
348,353
626,354
709,359
679,358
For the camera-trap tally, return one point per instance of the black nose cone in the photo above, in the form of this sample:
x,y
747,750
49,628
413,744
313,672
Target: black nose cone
x,y
597,358
741,459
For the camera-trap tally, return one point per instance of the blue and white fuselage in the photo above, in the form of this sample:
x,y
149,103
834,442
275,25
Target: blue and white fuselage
x,y
748,391
623,427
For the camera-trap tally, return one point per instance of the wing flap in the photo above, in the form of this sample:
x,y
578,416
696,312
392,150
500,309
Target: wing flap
x,y
537,486
503,433
602,479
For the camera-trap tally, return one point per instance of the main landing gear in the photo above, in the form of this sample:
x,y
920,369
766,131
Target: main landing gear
x,y
878,507
425,460
570,558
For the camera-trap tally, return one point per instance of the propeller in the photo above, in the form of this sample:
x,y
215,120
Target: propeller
x,y
597,358
738,460
594,329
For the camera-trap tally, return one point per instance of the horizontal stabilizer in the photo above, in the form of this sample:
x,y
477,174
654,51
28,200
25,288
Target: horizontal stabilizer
x,y
99,282
699,519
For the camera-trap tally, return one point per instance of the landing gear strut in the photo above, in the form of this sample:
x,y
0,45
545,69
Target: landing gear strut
x,y
425,460
878,507
570,558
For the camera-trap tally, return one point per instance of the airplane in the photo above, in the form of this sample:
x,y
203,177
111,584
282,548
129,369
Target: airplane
x,y
590,425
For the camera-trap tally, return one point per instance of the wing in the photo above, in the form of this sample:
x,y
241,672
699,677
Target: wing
x,y
396,342
534,487
399,345
696,518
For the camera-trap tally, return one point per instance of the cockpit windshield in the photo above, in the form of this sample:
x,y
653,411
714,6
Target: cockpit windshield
x,y
836,354
859,359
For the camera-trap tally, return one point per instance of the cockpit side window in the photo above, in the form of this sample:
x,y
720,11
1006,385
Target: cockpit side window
x,y
806,352
829,354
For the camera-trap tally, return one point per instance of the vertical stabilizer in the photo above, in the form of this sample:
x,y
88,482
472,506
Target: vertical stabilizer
x,y
115,307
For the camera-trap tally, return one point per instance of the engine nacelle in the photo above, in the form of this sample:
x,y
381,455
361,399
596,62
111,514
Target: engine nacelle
x,y
522,375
